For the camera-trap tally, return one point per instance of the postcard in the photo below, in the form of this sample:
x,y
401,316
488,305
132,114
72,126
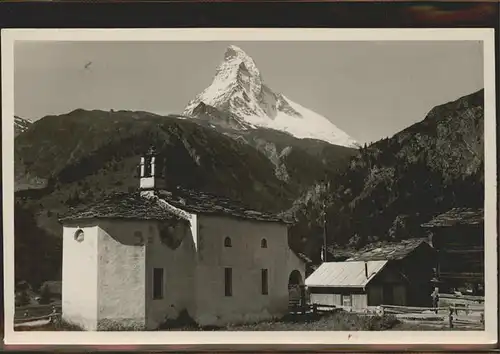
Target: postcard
x,y
249,186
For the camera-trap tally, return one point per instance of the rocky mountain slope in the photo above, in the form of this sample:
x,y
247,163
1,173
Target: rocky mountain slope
x,y
396,183
238,99
21,125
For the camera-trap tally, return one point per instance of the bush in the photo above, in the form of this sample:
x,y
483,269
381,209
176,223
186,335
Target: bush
x,y
347,321
45,295
63,325
22,298
355,241
22,293
379,323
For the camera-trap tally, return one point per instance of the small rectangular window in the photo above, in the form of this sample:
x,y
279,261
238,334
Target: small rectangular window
x,y
228,281
157,283
265,282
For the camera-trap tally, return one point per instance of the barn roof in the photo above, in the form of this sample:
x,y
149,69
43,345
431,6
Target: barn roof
x,y
457,216
123,206
206,203
340,254
351,274
388,251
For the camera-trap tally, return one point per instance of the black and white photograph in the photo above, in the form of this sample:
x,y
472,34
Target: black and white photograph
x,y
229,182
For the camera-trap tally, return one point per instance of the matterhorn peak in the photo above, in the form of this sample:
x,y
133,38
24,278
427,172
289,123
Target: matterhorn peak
x,y
236,56
238,89
233,51
240,67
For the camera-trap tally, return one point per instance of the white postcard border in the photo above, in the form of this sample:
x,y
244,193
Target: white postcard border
x,y
489,336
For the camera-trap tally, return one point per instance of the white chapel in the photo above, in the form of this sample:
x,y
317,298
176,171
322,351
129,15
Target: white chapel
x,y
135,260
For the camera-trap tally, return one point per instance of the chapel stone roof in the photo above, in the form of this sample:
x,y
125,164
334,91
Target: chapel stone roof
x,y
135,206
122,206
206,203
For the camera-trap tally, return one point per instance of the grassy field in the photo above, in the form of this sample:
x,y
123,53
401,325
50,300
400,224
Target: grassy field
x,y
35,310
340,321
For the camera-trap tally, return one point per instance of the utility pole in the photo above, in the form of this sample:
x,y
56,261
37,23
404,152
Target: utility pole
x,y
325,245
325,250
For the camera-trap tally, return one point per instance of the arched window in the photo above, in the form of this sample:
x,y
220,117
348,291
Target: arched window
x,y
227,242
79,235
263,243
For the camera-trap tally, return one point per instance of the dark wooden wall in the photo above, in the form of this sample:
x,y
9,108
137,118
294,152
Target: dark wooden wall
x,y
460,255
418,267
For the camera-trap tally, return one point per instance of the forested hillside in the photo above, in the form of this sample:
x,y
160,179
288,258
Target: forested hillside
x,y
396,183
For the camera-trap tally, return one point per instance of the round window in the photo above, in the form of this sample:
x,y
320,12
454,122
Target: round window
x,y
79,235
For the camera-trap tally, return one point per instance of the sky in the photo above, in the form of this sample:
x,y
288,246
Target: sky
x,y
370,90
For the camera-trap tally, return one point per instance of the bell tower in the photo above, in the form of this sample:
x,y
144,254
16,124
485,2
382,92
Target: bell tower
x,y
151,178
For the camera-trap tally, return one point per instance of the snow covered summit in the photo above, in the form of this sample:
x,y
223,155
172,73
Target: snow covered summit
x,y
238,89
21,125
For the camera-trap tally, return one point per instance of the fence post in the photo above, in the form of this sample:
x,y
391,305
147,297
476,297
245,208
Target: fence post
x,y
53,315
315,308
382,311
450,317
482,318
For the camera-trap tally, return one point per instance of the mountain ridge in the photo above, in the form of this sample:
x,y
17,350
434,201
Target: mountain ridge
x,y
21,125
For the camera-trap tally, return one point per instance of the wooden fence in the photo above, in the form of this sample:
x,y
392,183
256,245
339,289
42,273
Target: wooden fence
x,y
27,314
313,308
454,297
318,308
454,315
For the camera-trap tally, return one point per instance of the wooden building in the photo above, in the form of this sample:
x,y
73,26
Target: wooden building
x,y
414,258
357,285
381,274
458,237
